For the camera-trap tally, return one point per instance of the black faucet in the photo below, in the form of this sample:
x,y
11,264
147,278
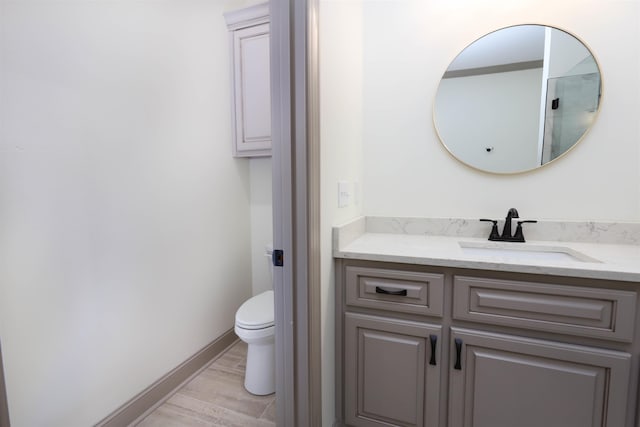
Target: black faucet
x,y
506,231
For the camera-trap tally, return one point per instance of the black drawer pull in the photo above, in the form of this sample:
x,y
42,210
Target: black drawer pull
x,y
433,339
402,292
458,364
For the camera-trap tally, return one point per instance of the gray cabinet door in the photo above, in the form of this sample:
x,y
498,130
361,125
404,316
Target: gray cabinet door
x,y
506,381
392,372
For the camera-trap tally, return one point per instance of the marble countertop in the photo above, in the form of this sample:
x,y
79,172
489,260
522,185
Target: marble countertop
x,y
366,239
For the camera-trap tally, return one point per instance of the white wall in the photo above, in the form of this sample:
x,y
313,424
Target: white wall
x,y
341,153
408,173
261,223
124,221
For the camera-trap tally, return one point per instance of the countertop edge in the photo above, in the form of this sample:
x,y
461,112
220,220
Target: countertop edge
x,y
358,240
614,275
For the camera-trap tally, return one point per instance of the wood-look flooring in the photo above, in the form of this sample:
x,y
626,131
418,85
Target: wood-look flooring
x,y
216,397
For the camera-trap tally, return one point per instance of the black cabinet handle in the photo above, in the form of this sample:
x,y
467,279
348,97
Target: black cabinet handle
x,y
433,339
402,292
458,364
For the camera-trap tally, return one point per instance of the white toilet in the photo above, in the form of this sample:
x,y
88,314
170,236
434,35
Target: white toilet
x,y
255,325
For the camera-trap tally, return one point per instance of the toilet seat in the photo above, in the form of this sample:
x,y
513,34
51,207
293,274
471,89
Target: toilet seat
x,y
257,312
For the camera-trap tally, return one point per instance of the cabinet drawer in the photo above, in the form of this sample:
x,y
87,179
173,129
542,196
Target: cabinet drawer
x,y
592,312
394,290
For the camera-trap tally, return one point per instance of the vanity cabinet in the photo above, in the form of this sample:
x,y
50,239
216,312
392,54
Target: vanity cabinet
x,y
449,347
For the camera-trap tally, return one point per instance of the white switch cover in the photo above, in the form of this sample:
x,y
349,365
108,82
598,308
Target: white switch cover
x,y
344,194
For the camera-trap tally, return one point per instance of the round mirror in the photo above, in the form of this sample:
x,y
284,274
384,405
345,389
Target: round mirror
x,y
517,98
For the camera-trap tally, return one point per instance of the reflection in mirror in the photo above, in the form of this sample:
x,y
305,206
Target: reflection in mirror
x,y
517,98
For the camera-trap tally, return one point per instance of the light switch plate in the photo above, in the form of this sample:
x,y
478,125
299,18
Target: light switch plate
x,y
344,194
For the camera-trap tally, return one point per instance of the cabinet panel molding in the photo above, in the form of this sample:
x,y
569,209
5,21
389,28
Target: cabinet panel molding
x,y
592,312
509,380
388,377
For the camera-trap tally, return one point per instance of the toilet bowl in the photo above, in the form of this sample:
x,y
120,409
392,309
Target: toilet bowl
x,y
255,325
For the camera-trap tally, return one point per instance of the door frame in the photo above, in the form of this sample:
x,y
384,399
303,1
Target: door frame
x,y
4,405
296,210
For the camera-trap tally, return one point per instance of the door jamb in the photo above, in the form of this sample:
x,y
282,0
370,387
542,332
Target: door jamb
x,y
4,406
296,223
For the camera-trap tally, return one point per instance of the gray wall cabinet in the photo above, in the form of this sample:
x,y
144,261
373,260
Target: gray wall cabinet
x,y
442,347
250,74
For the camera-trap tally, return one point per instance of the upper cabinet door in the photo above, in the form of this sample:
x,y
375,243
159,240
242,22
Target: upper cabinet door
x,y
251,83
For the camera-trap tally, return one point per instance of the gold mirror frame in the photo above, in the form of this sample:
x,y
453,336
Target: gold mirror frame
x,y
543,145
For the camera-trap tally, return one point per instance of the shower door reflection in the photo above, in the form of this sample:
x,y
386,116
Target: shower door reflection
x,y
572,103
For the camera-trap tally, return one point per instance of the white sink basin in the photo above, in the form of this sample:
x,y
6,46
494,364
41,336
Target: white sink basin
x,y
523,252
